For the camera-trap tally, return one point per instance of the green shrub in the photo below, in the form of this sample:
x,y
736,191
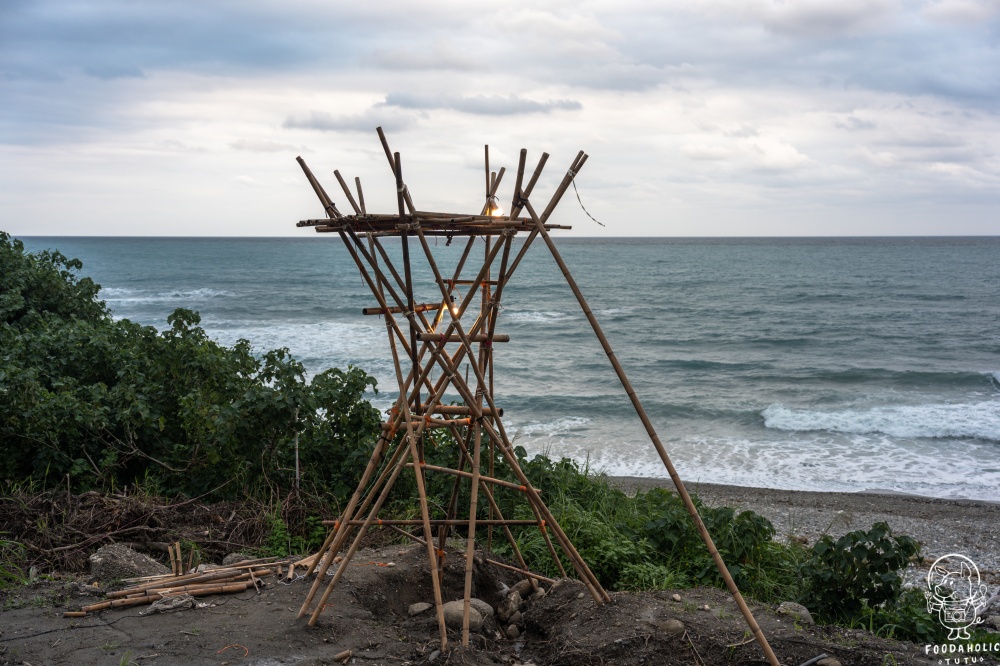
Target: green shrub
x,y
857,571
110,404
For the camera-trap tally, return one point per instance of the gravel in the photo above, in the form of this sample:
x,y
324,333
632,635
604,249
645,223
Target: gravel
x,y
942,526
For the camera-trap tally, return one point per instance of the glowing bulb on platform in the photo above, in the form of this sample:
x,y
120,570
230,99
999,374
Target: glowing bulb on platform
x,y
493,208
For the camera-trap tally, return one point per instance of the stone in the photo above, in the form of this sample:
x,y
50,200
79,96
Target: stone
x,y
515,618
796,611
540,592
115,562
484,608
671,627
580,596
418,608
993,621
513,631
675,597
453,613
433,655
829,661
523,588
509,606
233,558
173,603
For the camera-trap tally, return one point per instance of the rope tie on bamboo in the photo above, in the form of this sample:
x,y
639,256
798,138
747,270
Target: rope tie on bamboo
x,y
441,554
572,179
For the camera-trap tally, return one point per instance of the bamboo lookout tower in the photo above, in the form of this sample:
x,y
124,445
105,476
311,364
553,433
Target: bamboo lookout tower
x,y
428,342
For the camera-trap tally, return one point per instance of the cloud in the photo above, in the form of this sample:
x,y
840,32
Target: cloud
x,y
359,122
855,124
962,12
705,152
436,58
485,105
262,146
825,18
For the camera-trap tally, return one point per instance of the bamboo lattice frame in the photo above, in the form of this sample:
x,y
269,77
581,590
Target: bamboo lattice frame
x,y
427,336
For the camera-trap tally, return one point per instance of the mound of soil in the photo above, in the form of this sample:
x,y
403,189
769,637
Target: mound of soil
x,y
368,613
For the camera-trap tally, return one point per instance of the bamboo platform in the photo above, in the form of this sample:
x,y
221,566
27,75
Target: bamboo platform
x,y
429,342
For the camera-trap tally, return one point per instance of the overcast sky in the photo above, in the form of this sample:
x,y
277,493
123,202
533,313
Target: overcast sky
x,y
701,117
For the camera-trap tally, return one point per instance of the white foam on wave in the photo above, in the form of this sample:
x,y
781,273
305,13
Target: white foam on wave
x,y
534,316
833,463
318,345
127,296
549,429
979,420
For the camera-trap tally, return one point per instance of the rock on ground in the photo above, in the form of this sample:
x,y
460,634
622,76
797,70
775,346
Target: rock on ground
x,y
797,611
116,562
510,605
453,612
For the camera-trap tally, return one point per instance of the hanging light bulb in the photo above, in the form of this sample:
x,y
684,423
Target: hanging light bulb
x,y
454,306
493,208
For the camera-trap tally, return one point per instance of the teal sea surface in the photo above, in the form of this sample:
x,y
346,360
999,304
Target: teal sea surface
x,y
838,364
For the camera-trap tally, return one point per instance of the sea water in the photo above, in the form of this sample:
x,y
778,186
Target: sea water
x,y
816,364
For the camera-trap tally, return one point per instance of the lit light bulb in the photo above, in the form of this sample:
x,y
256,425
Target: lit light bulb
x,y
493,208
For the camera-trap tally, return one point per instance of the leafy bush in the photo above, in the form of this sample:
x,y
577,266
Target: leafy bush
x,y
99,403
857,571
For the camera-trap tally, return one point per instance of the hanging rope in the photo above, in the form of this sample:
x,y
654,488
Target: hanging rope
x,y
572,179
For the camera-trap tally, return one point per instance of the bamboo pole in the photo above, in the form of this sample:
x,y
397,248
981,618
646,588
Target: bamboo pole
x,y
418,473
439,337
597,591
654,438
361,195
468,475
392,165
523,572
347,192
495,508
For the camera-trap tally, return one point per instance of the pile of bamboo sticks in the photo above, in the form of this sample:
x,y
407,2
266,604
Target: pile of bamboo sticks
x,y
237,577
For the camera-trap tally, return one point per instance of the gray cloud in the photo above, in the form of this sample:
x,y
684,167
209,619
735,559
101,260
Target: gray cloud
x,y
486,105
359,122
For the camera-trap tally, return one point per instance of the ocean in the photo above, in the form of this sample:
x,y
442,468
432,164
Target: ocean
x,y
839,364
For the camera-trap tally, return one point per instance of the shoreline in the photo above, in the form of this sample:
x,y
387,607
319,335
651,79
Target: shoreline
x,y
942,526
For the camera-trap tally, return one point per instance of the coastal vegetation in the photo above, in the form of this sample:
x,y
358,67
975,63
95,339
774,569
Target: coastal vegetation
x,y
91,403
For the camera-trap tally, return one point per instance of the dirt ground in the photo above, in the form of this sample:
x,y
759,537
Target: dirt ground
x,y
368,614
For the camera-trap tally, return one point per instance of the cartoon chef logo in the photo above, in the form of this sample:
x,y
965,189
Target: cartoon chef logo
x,y
956,593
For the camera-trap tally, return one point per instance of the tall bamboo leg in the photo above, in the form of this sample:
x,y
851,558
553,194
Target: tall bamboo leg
x,y
655,439
424,511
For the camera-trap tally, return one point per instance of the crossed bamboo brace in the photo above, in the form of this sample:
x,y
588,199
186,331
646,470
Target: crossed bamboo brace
x,y
422,349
